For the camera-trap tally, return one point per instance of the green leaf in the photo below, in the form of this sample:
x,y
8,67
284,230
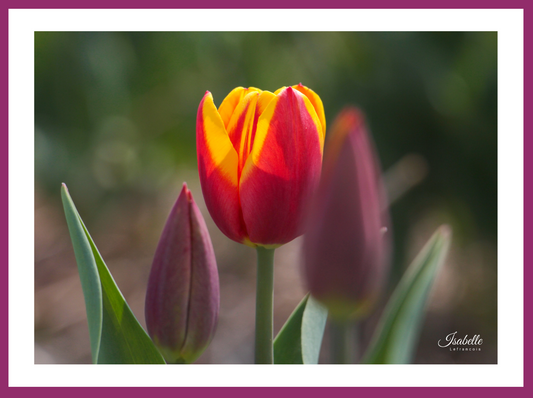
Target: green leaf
x,y
299,340
90,281
116,335
397,332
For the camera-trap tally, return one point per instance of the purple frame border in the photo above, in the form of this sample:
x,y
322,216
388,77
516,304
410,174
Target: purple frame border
x,y
260,391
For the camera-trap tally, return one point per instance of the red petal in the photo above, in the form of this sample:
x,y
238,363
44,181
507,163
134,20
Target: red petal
x,y
283,169
218,169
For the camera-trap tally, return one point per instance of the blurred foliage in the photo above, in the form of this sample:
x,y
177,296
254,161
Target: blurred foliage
x,y
115,112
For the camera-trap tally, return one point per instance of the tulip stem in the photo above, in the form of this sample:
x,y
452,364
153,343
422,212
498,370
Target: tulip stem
x,y
263,306
343,341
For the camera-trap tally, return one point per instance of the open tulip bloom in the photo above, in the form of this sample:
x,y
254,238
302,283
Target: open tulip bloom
x,y
259,159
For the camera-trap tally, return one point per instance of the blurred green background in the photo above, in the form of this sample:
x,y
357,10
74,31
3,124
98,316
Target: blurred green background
x,y
115,116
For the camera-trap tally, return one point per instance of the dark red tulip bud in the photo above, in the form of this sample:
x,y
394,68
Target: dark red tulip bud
x,y
345,246
182,298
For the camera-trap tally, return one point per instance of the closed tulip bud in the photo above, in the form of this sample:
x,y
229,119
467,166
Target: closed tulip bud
x,y
345,247
182,298
259,159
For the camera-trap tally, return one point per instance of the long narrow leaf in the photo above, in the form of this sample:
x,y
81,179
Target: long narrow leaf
x,y
90,281
399,327
116,335
299,340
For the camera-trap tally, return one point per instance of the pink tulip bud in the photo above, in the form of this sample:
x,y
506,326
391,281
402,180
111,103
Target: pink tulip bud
x,y
182,298
345,247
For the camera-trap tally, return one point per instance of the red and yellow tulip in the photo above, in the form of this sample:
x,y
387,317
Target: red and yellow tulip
x,y
259,159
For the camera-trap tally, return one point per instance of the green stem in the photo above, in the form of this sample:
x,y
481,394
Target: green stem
x,y
263,306
343,341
